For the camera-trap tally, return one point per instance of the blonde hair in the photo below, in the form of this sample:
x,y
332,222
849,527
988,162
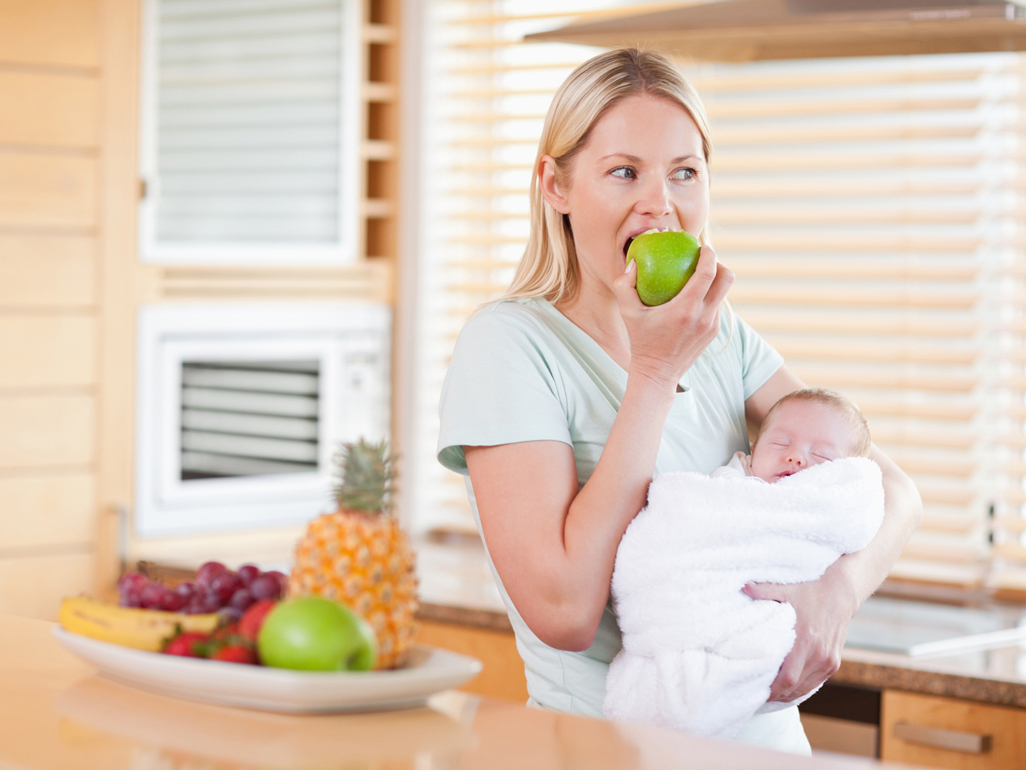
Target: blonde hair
x,y
861,440
549,267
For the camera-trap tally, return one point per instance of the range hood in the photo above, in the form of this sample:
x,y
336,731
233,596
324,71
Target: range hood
x,y
748,30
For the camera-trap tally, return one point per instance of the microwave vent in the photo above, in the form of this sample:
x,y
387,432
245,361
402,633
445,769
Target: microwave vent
x,y
249,418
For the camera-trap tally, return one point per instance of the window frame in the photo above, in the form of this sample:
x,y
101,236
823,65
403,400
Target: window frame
x,y
344,251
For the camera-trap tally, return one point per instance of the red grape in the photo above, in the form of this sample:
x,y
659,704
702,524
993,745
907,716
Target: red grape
x,y
241,599
130,588
152,596
204,602
185,589
283,582
225,584
247,572
207,571
172,601
232,613
265,587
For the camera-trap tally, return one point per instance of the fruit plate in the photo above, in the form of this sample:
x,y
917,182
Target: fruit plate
x,y
428,671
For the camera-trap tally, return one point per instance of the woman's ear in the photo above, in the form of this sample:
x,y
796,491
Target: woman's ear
x,y
547,183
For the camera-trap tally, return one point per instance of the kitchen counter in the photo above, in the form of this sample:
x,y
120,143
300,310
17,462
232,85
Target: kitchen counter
x,y
55,712
457,588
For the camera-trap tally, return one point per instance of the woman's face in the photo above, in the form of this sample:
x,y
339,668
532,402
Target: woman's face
x,y
643,167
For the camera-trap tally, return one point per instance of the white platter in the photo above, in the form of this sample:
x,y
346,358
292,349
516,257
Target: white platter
x,y
429,670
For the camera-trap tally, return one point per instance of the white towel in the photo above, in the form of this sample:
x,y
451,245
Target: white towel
x,y
698,654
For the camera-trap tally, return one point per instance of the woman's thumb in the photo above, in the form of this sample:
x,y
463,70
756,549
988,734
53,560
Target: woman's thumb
x,y
763,591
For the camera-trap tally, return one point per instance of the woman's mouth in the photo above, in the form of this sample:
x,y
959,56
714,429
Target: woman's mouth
x,y
636,233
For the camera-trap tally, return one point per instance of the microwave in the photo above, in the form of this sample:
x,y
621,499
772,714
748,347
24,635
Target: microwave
x,y
241,409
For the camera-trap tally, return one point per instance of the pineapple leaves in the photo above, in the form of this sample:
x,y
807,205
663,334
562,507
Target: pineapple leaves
x,y
365,477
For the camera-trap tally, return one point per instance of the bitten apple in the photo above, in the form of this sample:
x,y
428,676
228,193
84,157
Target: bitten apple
x,y
666,260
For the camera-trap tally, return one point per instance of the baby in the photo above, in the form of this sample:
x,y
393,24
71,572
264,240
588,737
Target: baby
x,y
698,654
803,429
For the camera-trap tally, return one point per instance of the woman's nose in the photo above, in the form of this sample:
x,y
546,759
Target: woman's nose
x,y
655,199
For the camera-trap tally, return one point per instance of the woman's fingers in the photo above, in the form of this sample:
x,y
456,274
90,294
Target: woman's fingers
x,y
823,609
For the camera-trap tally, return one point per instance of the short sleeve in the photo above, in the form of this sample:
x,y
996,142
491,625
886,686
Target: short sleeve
x,y
759,359
500,387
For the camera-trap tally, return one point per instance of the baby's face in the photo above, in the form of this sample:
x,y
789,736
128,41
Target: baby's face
x,y
799,435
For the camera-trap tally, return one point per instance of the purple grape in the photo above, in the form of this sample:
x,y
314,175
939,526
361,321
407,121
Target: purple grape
x,y
232,613
152,596
129,601
265,587
241,599
172,602
185,589
225,584
130,587
207,571
203,602
247,572
283,582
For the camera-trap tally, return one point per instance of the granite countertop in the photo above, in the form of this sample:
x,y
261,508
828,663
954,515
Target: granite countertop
x,y
457,587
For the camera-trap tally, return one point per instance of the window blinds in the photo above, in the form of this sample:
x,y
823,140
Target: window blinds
x,y
249,130
870,209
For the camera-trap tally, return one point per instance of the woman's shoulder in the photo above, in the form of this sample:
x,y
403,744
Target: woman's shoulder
x,y
507,319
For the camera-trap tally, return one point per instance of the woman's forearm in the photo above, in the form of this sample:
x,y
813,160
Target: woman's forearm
x,y
613,496
903,513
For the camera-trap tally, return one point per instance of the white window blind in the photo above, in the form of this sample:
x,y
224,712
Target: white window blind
x,y
870,208
251,113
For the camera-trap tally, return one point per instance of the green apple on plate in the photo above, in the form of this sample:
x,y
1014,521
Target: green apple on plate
x,y
311,633
666,260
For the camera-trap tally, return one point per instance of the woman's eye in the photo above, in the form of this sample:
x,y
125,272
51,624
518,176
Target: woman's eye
x,y
624,172
683,174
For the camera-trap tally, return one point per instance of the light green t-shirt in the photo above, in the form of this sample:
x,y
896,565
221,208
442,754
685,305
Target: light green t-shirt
x,y
522,371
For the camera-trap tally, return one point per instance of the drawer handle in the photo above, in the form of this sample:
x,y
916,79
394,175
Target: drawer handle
x,y
953,740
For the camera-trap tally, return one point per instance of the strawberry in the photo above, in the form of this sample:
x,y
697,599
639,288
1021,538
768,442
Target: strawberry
x,y
236,653
253,619
189,644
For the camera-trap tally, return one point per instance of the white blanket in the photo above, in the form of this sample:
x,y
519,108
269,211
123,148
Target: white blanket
x,y
698,654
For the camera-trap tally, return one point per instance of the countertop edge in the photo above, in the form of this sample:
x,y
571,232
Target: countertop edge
x,y
488,620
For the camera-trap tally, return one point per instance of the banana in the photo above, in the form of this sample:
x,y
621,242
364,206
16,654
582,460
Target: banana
x,y
128,626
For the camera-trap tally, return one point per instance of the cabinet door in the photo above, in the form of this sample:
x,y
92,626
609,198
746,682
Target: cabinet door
x,y
947,733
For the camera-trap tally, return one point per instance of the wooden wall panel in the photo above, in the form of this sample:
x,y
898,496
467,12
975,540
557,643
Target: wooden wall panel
x,y
47,271
47,351
47,191
45,431
46,510
50,32
42,108
33,586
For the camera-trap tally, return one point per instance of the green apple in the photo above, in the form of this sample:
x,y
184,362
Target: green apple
x,y
666,260
311,633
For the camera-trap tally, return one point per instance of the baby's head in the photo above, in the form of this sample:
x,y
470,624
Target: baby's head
x,y
806,428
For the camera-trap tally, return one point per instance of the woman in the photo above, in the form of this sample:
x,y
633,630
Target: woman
x,y
564,399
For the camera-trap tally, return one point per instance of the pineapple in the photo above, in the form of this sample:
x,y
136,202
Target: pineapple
x,y
359,556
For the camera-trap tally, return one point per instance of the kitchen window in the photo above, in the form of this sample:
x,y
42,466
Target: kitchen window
x,y
250,131
870,208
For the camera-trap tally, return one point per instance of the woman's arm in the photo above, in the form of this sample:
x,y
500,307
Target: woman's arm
x,y
554,545
825,607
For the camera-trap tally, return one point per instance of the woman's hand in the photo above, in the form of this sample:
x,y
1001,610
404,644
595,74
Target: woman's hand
x,y
824,608
667,339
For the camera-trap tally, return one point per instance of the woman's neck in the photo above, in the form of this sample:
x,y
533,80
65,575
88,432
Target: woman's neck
x,y
598,316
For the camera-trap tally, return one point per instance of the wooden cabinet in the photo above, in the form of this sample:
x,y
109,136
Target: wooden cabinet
x,y
946,733
503,673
